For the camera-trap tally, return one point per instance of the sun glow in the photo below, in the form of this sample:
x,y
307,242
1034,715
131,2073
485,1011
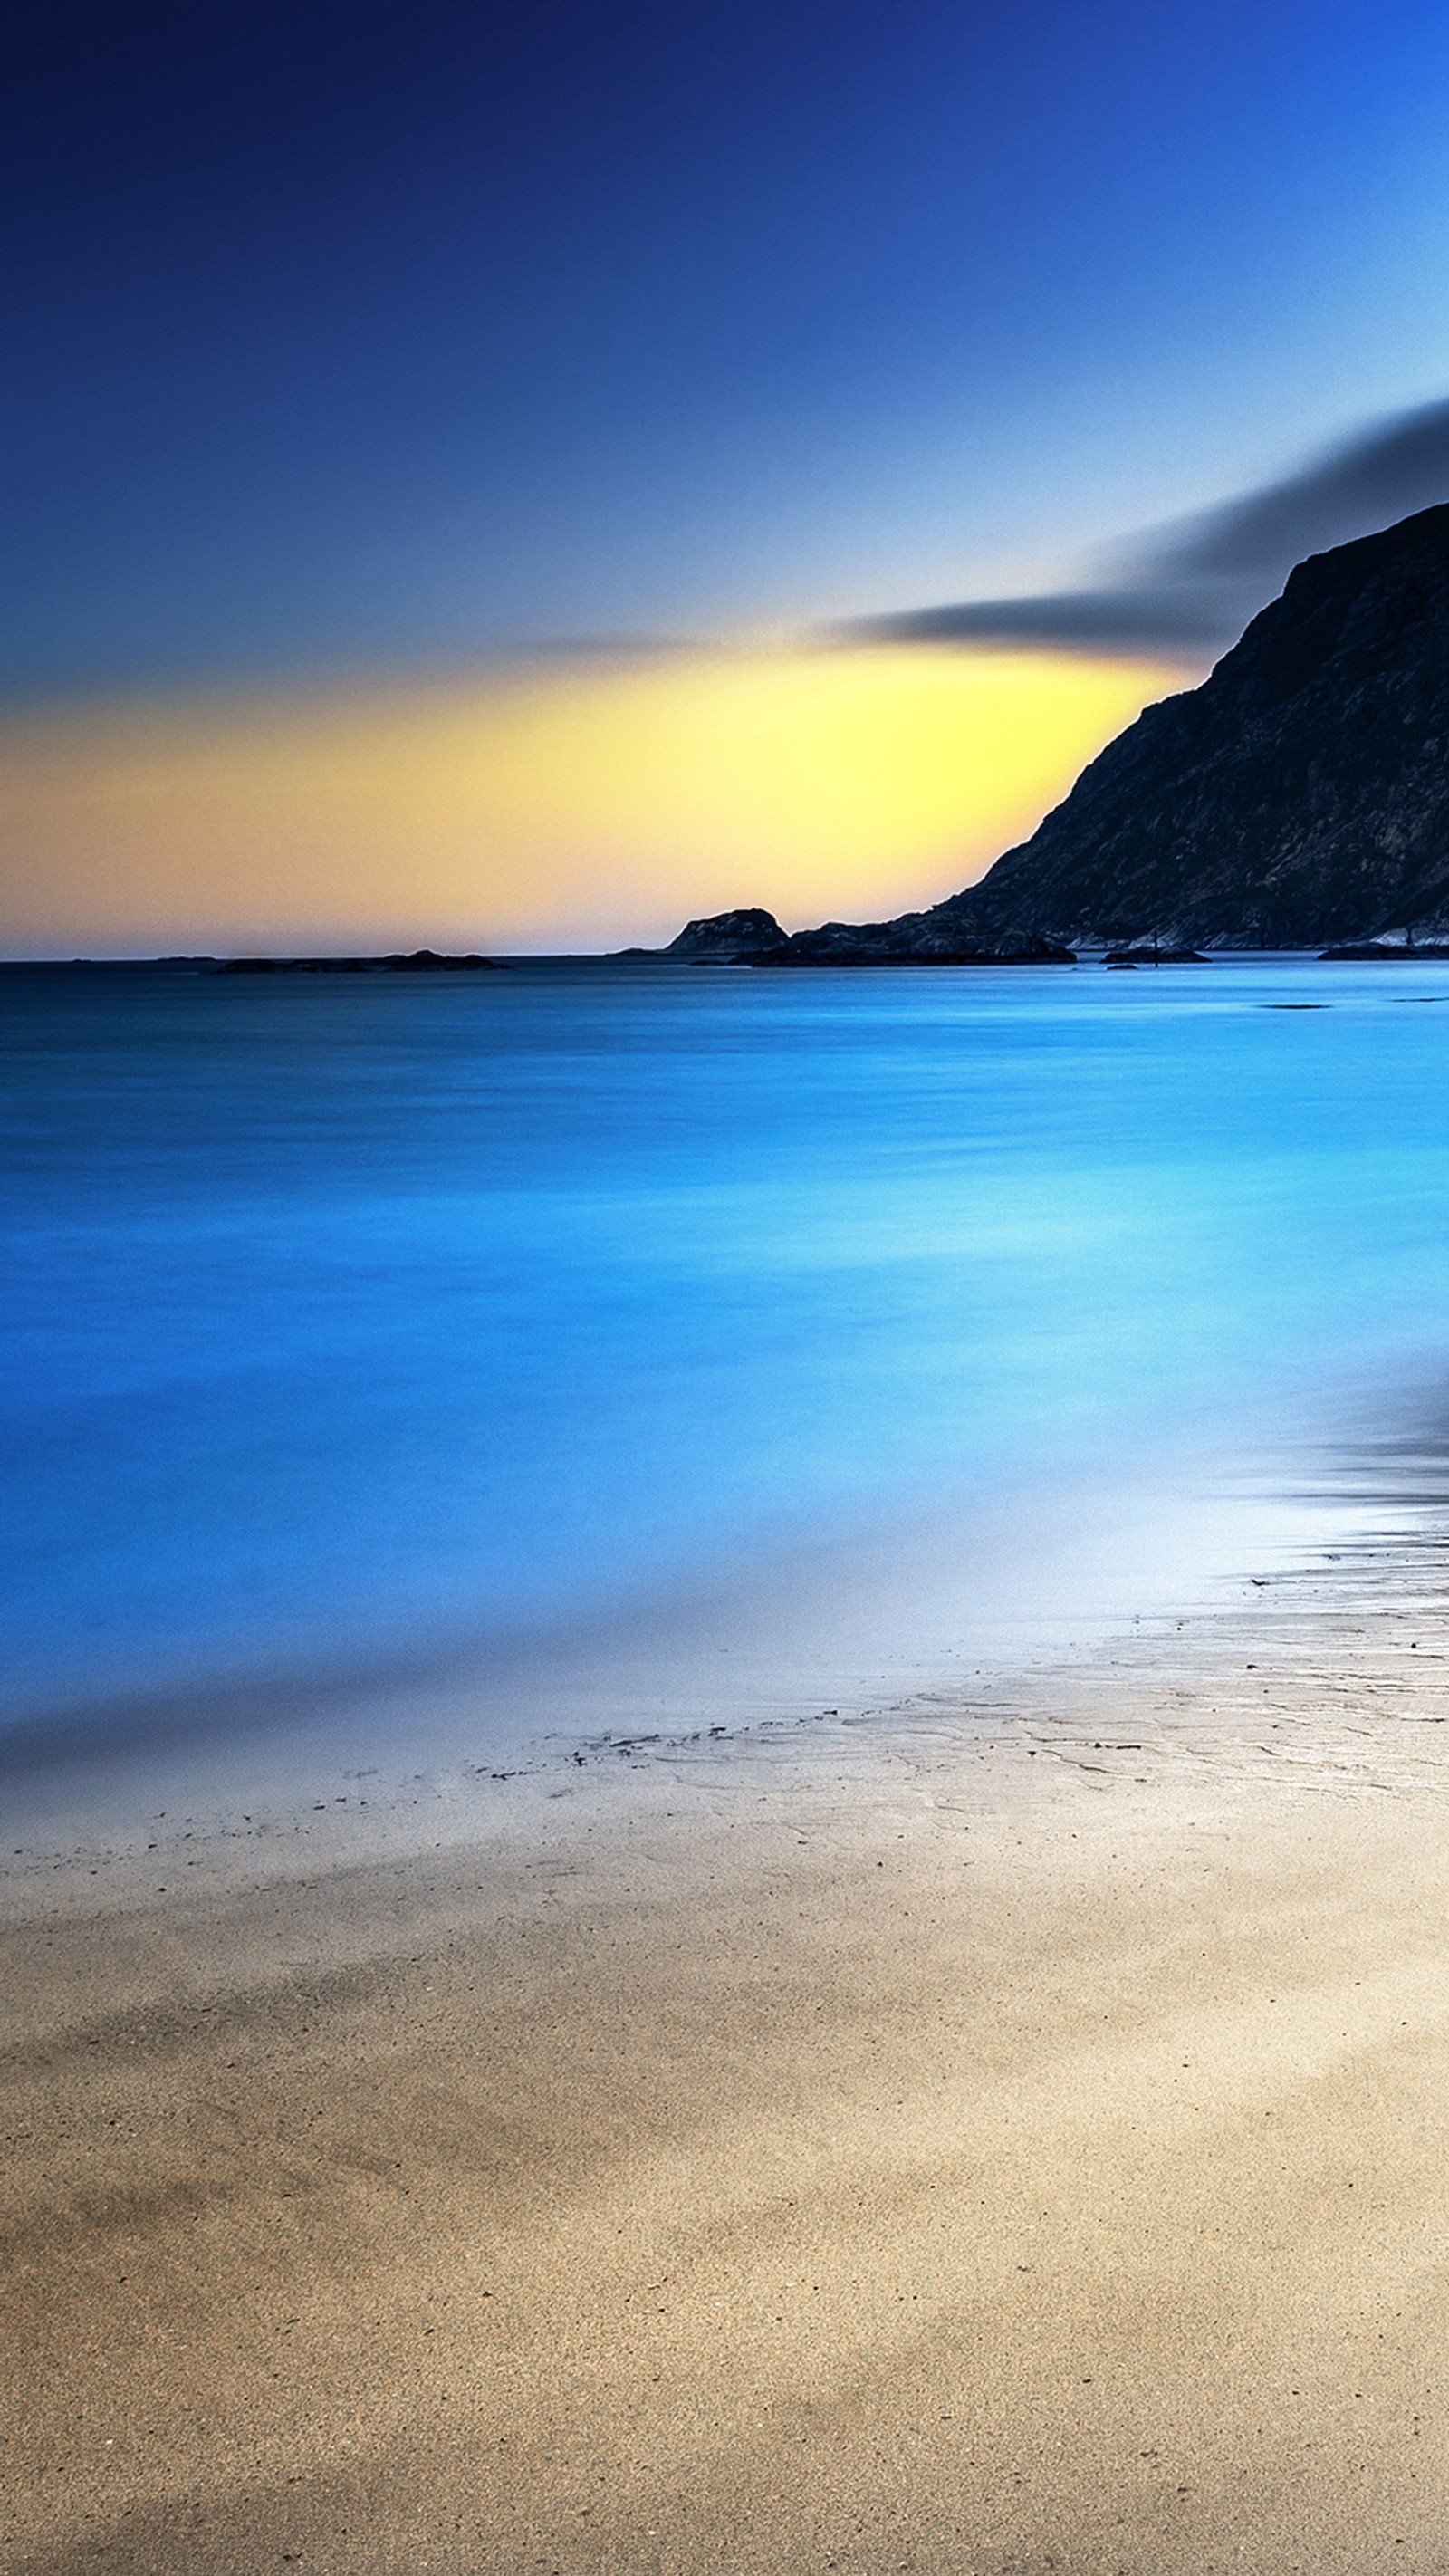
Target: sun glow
x,y
574,808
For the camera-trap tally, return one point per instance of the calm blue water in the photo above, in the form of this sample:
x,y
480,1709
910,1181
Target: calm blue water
x,y
353,1318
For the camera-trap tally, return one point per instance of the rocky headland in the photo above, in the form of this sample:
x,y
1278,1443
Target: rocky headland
x,y
1299,798
752,937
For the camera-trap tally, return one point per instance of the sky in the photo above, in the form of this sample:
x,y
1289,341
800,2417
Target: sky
x,y
586,387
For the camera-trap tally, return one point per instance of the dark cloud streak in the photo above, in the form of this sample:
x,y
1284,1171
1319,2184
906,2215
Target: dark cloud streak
x,y
1187,619
1190,589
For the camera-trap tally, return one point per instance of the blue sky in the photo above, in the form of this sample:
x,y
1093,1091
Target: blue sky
x,y
344,337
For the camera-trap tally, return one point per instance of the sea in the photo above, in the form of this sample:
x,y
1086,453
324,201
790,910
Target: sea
x,y
618,1343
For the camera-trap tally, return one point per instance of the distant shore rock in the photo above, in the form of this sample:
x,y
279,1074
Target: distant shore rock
x,y
1154,957
421,961
1392,952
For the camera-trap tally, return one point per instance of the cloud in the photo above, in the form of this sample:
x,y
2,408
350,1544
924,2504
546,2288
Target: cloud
x,y
1162,617
1191,588
1396,467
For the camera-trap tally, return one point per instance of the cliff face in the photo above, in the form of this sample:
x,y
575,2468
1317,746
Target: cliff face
x,y
1299,796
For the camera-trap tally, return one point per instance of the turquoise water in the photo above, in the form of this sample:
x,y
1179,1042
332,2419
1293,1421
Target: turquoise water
x,y
351,1319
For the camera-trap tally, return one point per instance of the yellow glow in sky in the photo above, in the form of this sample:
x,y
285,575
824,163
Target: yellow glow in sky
x,y
577,808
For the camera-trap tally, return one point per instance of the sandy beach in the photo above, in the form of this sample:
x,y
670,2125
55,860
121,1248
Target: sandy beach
x,y
1003,2135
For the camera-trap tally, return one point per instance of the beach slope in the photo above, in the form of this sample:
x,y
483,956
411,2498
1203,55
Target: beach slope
x,y
1005,2146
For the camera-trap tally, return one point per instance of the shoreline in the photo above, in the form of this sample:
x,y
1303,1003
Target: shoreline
x,y
936,1619
992,2140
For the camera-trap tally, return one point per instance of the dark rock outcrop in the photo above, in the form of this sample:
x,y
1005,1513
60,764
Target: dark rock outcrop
x,y
739,938
1299,798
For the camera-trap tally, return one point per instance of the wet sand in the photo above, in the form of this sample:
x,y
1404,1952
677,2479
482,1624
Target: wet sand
x,y
1007,2135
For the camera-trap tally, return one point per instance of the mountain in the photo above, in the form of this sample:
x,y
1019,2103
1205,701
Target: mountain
x,y
1299,798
